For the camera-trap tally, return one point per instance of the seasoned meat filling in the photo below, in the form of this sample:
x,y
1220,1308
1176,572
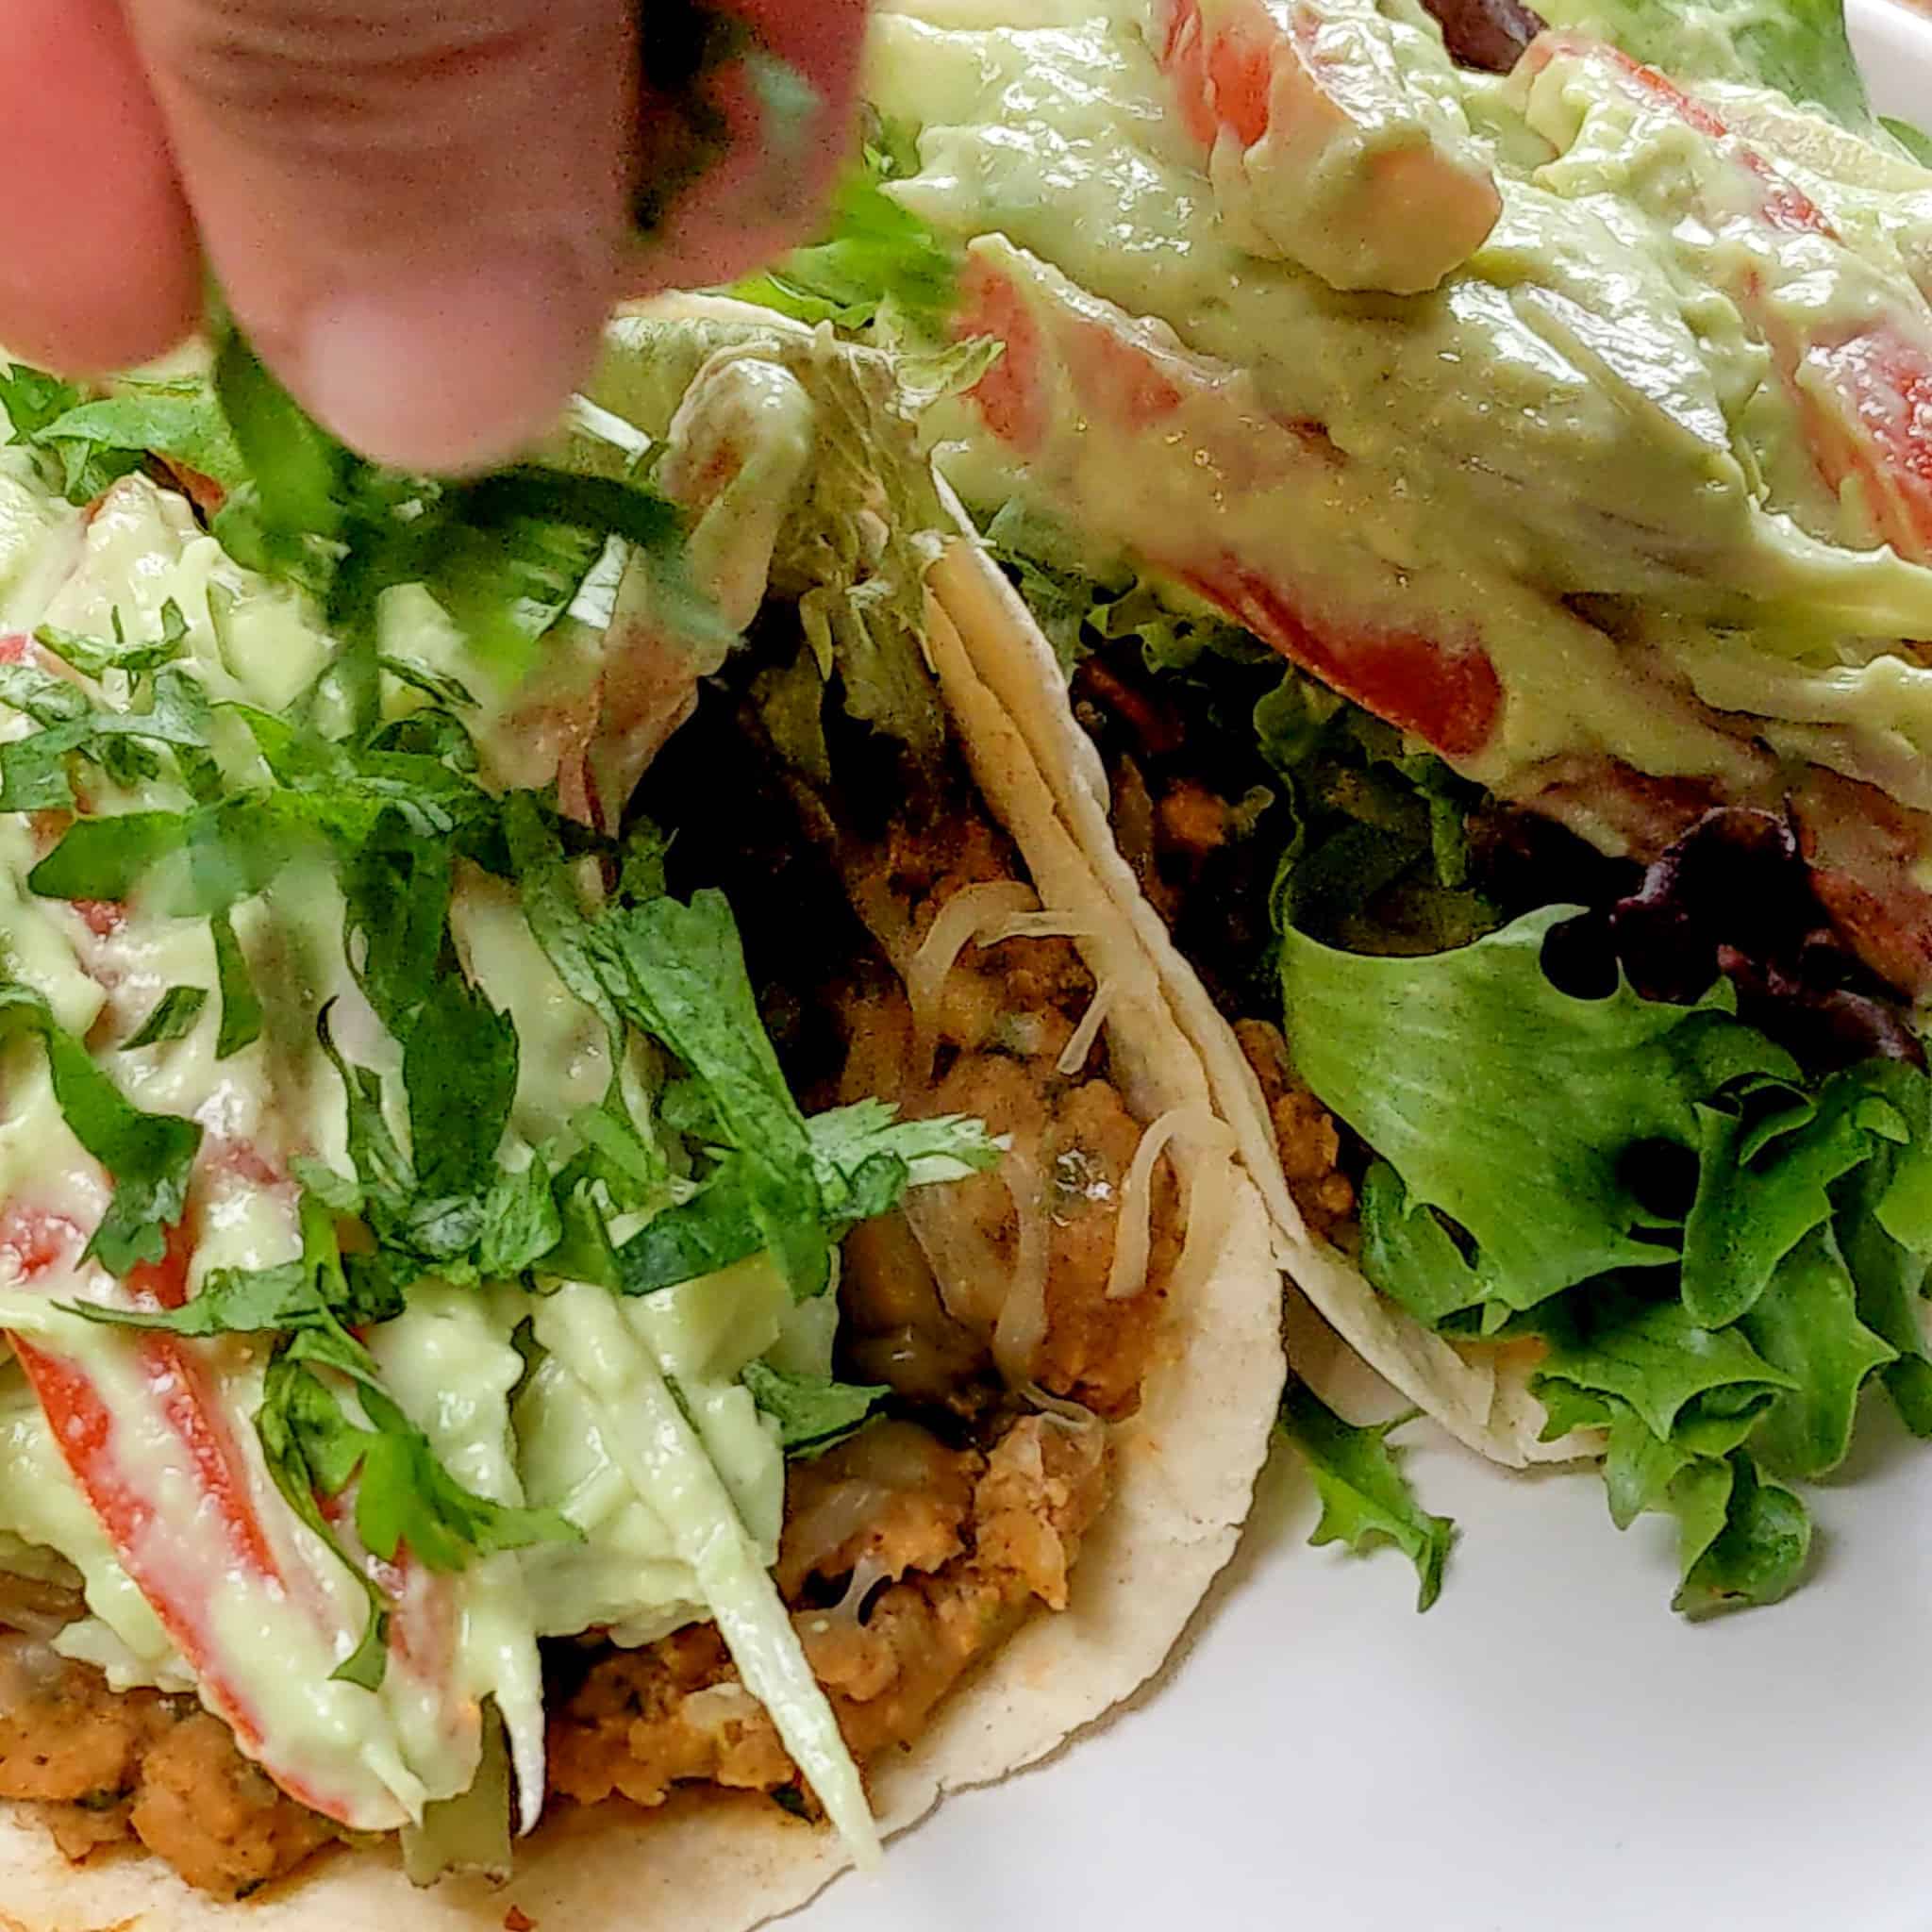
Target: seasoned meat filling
x,y
104,1766
910,1552
646,1720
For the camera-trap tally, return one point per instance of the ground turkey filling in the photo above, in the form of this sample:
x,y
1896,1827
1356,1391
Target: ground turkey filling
x,y
910,1552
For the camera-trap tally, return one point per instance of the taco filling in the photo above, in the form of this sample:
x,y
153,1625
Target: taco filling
x,y
515,1293
1466,476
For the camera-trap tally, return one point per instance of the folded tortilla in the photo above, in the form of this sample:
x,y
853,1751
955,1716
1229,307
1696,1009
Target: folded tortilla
x,y
1185,1461
1478,1392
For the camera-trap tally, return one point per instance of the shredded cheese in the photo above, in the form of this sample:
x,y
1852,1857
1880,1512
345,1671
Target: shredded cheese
x,y
1210,1209
1021,1325
970,912
1046,924
1073,1055
1134,1233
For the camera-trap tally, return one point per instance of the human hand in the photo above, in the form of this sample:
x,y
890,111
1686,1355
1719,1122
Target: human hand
x,y
418,209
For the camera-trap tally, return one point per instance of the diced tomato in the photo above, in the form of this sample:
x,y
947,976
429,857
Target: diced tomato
x,y
1317,148
1220,81
104,917
202,492
16,648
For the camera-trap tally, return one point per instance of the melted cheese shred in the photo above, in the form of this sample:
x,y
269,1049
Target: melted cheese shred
x,y
1039,925
1021,1325
1133,1239
1073,1055
971,912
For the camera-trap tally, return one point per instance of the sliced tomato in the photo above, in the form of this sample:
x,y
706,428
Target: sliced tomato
x,y
107,1469
1073,362
1862,389
1773,196
1866,399
1317,149
115,1446
1447,696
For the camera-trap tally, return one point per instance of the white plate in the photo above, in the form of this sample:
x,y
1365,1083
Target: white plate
x,y
1548,1748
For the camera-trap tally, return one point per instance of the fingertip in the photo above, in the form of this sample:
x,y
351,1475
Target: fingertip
x,y
790,136
455,368
99,269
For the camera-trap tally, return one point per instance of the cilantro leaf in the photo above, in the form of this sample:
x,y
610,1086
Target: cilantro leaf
x,y
1365,1497
552,906
241,1015
313,1292
1913,139
521,1223
459,1065
439,685
95,656
294,469
939,1148
99,441
678,971
405,1496
381,1167
148,1156
171,1017
714,1229
32,399
297,1427
874,253
864,1159
813,1413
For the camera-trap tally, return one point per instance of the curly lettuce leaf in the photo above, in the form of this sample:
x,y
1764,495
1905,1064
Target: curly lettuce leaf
x,y
1547,1093
1366,1500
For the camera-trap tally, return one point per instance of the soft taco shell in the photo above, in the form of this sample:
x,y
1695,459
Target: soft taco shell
x,y
1187,1464
1479,1396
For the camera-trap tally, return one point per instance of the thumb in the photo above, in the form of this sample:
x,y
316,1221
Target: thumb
x,y
416,211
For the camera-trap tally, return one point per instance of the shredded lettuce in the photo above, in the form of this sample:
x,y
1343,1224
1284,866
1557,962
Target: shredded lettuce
x,y
652,1441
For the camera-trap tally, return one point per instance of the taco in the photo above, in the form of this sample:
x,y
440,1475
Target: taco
x,y
606,1233
1460,490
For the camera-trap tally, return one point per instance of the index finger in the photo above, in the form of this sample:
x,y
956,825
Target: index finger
x,y
786,106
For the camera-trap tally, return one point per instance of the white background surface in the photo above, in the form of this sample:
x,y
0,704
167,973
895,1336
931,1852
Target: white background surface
x,y
1548,1750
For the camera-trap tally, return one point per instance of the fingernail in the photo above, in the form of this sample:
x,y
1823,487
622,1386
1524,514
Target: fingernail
x,y
457,367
